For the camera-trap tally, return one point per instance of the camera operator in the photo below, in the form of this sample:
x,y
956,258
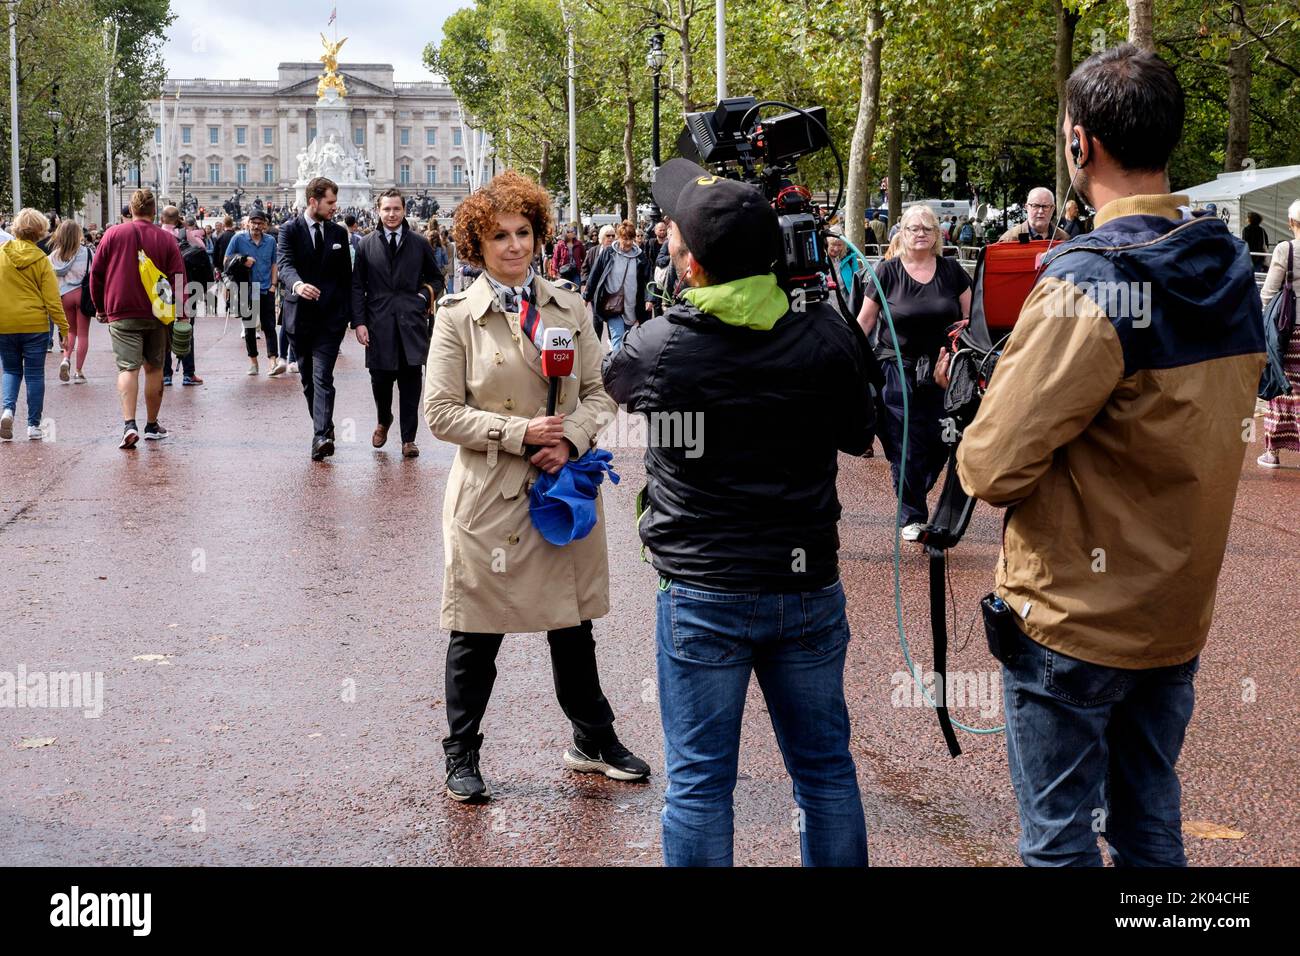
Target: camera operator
x,y
741,526
1112,432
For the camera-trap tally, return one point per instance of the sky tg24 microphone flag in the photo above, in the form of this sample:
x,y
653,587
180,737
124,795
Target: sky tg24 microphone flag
x,y
557,352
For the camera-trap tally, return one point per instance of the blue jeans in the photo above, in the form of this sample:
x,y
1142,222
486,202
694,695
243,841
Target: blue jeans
x,y
23,357
708,643
617,326
1092,751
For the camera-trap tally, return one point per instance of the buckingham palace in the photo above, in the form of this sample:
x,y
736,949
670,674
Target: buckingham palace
x,y
250,135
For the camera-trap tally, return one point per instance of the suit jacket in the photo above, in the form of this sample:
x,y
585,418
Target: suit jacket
x,y
330,271
389,298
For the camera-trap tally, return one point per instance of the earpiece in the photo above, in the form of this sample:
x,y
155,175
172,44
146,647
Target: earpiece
x,y
1076,149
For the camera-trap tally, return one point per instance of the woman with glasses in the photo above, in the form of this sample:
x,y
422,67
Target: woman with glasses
x,y
926,294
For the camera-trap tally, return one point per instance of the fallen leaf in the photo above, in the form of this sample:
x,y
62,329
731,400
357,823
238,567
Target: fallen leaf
x,y
153,658
1210,831
33,742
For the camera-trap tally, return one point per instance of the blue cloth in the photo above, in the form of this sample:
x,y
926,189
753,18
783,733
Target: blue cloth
x,y
263,254
23,357
708,644
563,505
1092,750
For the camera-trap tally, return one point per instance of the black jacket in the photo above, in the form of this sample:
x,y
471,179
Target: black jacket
x,y
330,271
752,505
387,297
605,261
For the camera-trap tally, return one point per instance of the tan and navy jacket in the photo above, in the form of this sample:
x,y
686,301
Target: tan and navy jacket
x,y
1113,431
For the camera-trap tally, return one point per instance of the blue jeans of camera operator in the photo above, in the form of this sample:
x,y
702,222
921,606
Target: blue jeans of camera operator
x,y
708,645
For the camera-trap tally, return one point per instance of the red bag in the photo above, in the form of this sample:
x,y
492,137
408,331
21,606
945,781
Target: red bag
x,y
1004,275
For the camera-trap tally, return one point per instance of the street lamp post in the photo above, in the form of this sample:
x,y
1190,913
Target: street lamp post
x,y
186,169
56,117
655,60
14,172
1004,163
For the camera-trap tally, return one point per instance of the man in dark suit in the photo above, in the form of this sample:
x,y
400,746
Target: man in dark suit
x,y
394,285
316,271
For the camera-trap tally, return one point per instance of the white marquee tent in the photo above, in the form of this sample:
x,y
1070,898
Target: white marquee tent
x,y
1266,191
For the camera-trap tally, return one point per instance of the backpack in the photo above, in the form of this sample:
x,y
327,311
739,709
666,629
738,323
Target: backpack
x,y
198,264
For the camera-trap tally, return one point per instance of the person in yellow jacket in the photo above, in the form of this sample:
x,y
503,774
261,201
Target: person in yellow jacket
x,y
29,302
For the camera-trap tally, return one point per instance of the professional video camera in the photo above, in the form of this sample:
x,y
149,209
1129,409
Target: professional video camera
x,y
737,144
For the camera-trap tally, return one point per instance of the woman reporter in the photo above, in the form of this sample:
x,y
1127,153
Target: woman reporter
x,y
927,294
484,391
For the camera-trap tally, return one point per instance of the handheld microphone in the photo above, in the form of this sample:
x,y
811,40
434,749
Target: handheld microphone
x,y
557,360
557,363
557,354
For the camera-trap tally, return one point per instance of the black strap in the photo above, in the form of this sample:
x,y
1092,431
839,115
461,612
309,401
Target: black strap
x,y
939,629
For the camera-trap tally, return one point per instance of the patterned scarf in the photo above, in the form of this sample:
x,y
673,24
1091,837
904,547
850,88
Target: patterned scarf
x,y
520,299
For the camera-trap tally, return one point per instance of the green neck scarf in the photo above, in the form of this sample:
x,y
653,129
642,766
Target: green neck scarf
x,y
755,302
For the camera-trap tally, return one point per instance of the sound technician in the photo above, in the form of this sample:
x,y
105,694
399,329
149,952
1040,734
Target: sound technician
x,y
1112,433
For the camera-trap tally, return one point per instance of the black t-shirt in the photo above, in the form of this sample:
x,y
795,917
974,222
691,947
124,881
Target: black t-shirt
x,y
922,311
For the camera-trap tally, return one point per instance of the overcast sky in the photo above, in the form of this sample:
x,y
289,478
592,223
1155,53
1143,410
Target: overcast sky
x,y
232,39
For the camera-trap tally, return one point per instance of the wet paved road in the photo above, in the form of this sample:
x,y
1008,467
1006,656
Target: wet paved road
x,y
297,714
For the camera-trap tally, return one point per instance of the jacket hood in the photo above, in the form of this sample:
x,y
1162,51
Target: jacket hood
x,y
1195,267
630,253
21,253
755,302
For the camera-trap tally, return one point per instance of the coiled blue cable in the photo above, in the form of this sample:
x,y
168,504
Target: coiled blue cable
x,y
912,669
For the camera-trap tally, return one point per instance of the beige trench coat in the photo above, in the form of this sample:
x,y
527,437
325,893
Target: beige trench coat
x,y
501,575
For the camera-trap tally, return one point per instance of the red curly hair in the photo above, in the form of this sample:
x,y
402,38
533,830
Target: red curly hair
x,y
509,193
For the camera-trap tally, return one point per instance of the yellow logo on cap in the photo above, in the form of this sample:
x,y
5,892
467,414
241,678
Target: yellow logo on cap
x,y
706,180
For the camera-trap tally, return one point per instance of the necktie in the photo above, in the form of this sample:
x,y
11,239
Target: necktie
x,y
320,240
392,245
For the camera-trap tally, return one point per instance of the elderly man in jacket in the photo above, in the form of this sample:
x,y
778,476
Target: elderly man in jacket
x,y
740,521
1040,204
1112,432
395,282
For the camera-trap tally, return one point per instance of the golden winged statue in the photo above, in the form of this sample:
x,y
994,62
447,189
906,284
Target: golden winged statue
x,y
330,79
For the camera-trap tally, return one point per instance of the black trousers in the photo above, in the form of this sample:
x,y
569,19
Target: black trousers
x,y
409,384
265,316
472,670
317,353
926,451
